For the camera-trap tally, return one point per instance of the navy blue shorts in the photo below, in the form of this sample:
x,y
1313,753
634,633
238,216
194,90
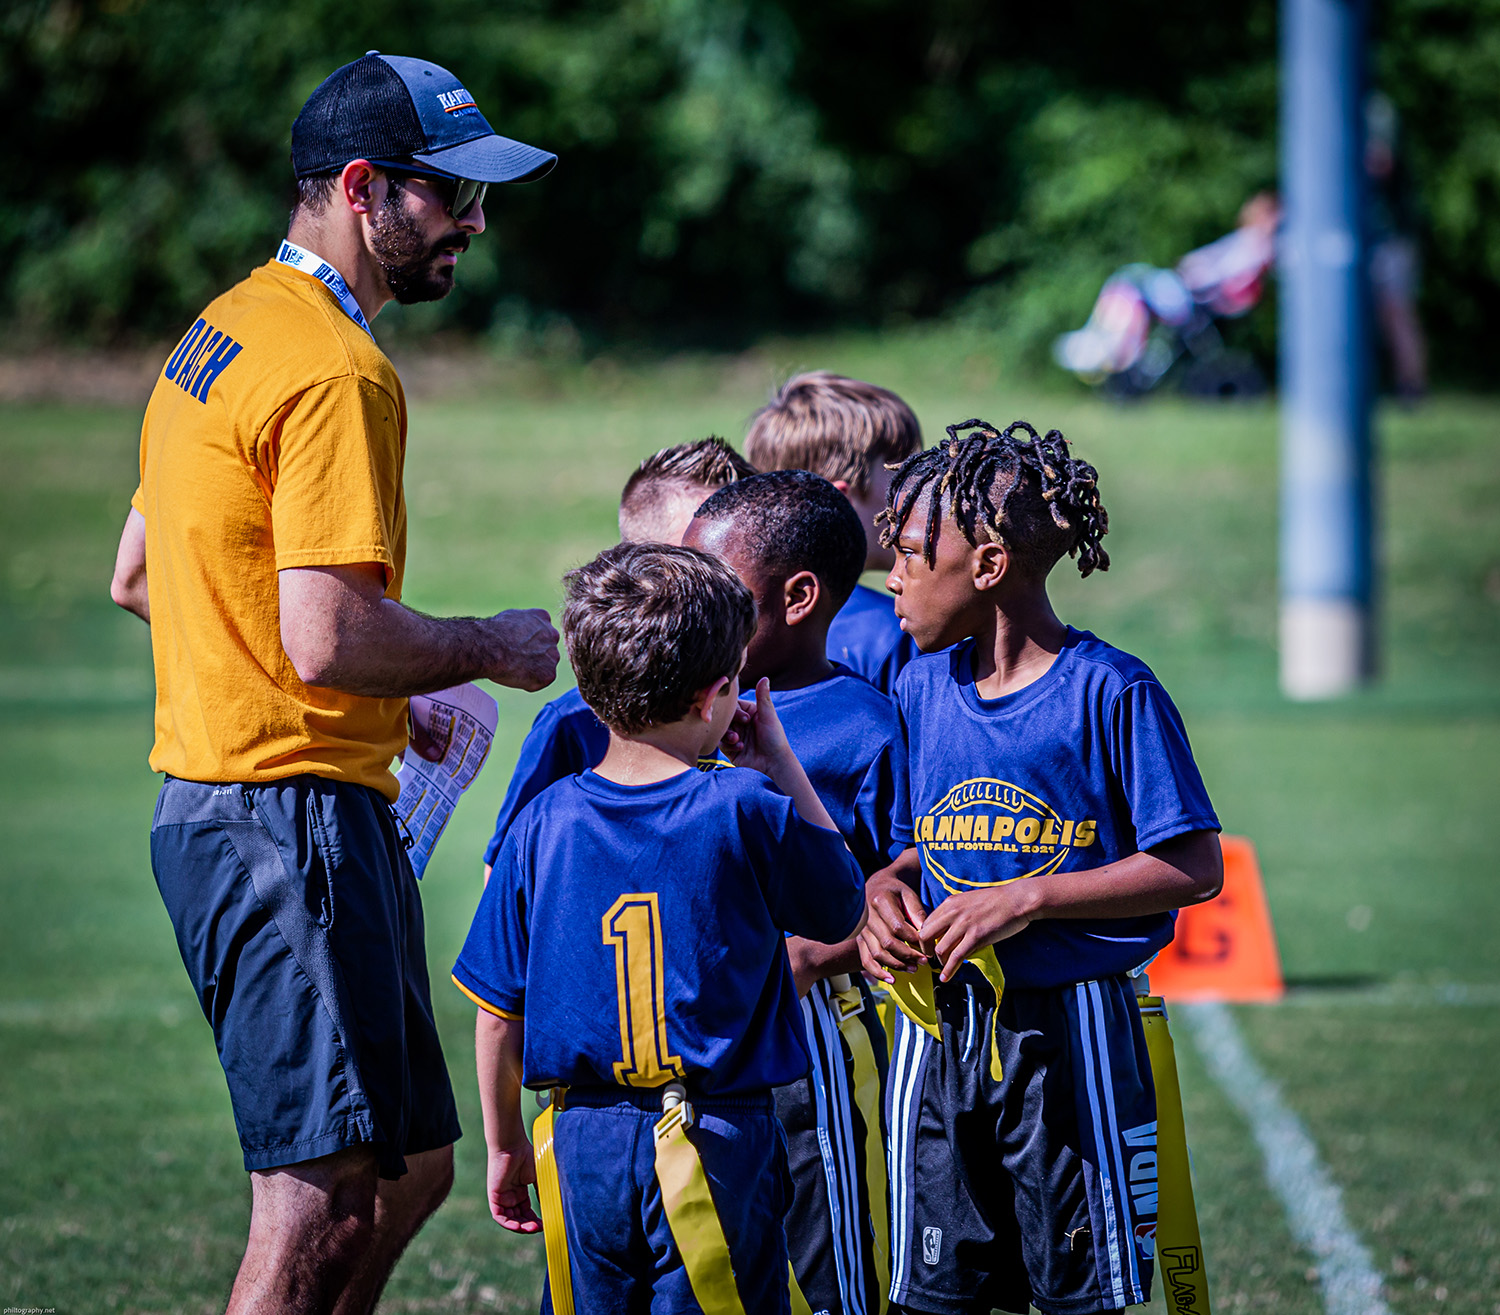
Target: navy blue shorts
x,y
620,1246
1037,1190
300,925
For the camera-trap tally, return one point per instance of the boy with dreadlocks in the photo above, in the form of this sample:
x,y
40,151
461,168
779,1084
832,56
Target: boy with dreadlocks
x,y
1021,1110
656,504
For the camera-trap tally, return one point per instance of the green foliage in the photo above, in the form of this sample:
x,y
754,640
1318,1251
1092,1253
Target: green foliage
x,y
728,166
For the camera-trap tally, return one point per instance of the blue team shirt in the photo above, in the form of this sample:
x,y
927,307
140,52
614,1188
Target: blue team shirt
x,y
640,931
847,737
844,732
866,636
564,740
1083,767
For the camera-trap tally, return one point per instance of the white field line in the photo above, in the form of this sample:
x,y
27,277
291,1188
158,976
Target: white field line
x,y
1312,1200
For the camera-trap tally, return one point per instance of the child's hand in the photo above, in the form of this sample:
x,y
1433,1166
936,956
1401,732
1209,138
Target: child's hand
x,y
889,941
964,924
512,1169
755,737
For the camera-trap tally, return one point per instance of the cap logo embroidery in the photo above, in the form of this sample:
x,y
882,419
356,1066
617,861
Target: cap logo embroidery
x,y
456,102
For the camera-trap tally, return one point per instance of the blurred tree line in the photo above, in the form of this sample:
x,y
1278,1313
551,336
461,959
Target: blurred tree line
x,y
727,166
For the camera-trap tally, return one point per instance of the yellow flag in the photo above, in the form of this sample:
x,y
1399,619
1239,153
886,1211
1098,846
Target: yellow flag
x,y
554,1230
1179,1248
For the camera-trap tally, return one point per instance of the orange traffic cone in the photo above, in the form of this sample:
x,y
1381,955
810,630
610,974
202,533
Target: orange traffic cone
x,y
1225,949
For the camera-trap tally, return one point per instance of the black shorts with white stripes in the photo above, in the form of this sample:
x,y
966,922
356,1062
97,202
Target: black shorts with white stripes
x,y
1037,1190
837,1229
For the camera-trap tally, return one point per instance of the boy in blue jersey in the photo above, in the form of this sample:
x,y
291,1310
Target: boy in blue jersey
x,y
794,539
656,505
847,431
1022,1130
631,936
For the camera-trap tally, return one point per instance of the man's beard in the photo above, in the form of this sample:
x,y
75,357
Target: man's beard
x,y
410,265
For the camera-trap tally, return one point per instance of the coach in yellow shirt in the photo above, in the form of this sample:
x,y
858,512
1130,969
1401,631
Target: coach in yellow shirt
x,y
265,546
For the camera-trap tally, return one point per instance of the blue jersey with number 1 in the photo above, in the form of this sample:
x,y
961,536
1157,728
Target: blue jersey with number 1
x,y
639,931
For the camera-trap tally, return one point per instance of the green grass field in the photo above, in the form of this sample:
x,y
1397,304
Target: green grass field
x,y
120,1185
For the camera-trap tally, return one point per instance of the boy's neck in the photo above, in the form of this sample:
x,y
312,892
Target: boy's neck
x,y
1018,645
804,663
654,755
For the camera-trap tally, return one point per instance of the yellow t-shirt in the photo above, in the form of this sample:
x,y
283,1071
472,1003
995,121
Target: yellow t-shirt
x,y
275,438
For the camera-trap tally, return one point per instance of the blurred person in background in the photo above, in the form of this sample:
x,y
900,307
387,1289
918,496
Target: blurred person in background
x,y
265,547
1395,262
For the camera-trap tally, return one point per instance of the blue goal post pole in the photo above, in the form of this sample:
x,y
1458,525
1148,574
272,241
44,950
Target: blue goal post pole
x,y
1327,558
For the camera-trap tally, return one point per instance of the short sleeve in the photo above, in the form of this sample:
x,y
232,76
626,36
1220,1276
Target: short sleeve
x,y
1154,764
491,968
551,752
336,485
812,885
875,810
902,834
138,500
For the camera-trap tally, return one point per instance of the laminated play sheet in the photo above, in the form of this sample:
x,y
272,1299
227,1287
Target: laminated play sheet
x,y
459,722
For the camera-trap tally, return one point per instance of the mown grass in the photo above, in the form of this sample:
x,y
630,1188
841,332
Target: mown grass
x,y
1372,816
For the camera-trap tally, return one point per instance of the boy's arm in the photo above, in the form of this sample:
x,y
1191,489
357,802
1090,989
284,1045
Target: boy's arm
x,y
812,961
890,941
756,739
497,1053
1187,869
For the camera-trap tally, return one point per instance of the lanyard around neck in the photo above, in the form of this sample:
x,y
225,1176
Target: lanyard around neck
x,y
311,263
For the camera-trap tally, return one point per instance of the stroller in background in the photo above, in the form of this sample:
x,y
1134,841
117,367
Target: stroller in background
x,y
1147,320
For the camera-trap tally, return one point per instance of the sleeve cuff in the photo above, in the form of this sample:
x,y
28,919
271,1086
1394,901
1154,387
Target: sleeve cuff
x,y
374,553
485,1004
1171,830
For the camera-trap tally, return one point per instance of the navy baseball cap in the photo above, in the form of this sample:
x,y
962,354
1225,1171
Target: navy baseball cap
x,y
391,107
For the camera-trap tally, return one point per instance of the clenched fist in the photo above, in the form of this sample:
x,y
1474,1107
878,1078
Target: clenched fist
x,y
524,648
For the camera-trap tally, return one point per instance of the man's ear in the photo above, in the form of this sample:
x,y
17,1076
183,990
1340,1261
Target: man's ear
x,y
801,594
363,186
704,700
842,485
990,564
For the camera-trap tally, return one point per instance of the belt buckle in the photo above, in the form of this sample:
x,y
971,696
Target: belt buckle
x,y
676,1110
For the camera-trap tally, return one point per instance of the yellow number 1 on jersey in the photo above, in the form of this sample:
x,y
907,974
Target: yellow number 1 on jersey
x,y
633,927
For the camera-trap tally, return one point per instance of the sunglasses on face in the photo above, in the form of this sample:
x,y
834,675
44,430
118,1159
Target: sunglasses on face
x,y
459,196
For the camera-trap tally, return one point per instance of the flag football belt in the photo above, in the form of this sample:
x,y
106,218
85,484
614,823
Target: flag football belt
x,y
913,994
309,262
1179,1248
686,1198
851,1005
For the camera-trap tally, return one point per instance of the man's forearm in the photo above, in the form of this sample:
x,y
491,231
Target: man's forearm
x,y
396,652
341,632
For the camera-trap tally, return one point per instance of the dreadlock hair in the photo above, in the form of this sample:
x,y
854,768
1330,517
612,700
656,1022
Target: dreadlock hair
x,y
690,470
1012,486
